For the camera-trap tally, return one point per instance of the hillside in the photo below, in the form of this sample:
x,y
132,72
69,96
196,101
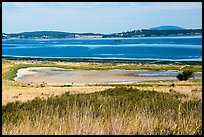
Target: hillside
x,y
47,35
167,28
41,34
156,33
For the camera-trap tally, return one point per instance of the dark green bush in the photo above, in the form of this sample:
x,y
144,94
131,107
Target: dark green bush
x,y
172,85
185,75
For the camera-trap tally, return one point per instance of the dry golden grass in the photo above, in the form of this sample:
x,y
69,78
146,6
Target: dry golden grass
x,y
84,119
137,123
11,94
81,120
15,91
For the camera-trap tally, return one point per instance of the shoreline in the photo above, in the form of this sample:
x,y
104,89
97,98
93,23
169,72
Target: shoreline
x,y
105,60
54,75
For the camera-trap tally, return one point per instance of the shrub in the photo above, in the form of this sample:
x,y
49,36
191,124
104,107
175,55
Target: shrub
x,y
185,75
43,84
172,85
172,91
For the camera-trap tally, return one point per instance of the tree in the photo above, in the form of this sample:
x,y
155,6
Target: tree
x,y
185,75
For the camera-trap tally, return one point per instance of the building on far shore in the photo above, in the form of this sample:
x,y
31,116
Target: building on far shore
x,y
88,36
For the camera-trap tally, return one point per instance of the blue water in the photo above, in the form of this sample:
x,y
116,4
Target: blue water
x,y
157,48
158,74
163,73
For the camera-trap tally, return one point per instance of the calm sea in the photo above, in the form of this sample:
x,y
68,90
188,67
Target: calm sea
x,y
157,48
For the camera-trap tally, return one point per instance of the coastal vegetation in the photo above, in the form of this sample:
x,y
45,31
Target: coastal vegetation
x,y
185,75
112,61
101,68
122,110
168,107
153,83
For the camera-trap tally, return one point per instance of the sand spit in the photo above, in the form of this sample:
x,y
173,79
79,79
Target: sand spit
x,y
52,75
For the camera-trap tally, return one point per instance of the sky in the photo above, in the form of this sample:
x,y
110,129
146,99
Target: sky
x,y
98,17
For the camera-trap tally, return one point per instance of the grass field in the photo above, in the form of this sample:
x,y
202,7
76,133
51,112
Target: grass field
x,y
151,107
114,111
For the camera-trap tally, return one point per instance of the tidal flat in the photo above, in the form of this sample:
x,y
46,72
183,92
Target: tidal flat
x,y
53,75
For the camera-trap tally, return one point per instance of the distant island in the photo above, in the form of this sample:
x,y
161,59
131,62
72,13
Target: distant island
x,y
161,31
167,28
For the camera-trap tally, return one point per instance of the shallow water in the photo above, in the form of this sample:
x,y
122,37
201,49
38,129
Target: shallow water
x,y
158,74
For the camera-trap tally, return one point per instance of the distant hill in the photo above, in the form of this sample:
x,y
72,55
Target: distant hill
x,y
48,35
162,31
156,33
42,34
167,28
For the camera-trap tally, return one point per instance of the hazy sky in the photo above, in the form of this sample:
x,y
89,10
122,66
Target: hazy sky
x,y
98,17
